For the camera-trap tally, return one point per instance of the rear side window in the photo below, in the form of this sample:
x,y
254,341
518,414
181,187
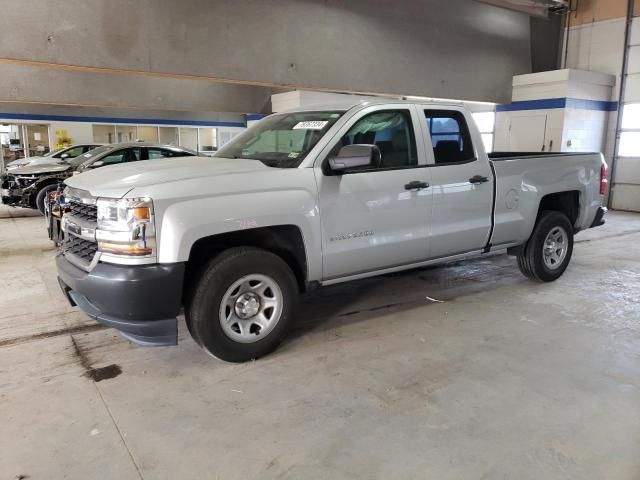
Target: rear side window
x,y
158,153
450,136
118,156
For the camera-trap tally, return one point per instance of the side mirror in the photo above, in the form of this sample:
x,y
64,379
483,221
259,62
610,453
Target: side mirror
x,y
64,156
355,156
96,164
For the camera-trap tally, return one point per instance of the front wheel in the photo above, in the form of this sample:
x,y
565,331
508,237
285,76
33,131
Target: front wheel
x,y
243,304
43,196
547,253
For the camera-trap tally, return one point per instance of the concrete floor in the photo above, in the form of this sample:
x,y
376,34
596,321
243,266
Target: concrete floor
x,y
463,371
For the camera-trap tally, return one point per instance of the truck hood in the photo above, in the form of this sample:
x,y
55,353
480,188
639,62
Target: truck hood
x,y
41,168
116,180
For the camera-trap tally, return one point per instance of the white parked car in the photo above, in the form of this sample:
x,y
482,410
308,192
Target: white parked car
x,y
52,157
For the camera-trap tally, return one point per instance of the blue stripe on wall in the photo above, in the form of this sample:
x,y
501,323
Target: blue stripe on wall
x,y
152,121
600,105
551,103
254,116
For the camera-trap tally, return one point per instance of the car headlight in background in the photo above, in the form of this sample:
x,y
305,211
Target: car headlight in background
x,y
126,227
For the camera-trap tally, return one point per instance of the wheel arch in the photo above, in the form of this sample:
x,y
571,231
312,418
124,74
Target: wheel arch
x,y
40,184
567,202
286,241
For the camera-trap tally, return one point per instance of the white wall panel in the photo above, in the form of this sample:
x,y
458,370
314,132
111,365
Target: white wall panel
x,y
597,46
628,170
584,130
634,60
632,88
634,39
626,197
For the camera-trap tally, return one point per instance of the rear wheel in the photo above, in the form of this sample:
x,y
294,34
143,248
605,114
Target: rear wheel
x,y
243,304
43,196
548,251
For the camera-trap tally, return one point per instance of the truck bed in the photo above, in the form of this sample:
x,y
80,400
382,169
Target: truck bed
x,y
524,179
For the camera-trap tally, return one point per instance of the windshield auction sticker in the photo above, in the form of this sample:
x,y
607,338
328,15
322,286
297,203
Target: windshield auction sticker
x,y
312,125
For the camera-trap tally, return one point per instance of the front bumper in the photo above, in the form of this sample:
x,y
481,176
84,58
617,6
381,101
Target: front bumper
x,y
599,219
142,301
16,197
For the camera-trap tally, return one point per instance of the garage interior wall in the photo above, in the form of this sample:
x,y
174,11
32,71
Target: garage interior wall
x,y
594,40
454,49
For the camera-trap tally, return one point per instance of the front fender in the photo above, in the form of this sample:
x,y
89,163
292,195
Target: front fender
x,y
185,222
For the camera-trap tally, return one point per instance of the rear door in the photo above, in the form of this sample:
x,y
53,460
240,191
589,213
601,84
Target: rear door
x,y
462,183
376,217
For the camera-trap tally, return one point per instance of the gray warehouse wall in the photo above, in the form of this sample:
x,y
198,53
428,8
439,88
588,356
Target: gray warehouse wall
x,y
454,48
59,86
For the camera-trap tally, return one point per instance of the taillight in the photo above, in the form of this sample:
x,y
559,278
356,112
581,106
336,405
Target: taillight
x,y
603,179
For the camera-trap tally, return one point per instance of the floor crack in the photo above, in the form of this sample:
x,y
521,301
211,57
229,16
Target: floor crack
x,y
124,442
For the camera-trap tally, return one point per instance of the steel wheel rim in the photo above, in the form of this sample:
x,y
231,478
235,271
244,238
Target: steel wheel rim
x,y
555,247
251,308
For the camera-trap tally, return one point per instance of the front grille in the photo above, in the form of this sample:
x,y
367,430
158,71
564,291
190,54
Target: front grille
x,y
83,211
84,249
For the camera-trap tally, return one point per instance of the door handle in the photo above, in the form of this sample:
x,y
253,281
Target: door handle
x,y
478,179
416,185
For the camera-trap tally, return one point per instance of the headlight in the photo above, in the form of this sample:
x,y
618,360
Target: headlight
x,y
126,227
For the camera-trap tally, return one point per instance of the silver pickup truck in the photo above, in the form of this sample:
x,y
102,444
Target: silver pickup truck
x,y
308,198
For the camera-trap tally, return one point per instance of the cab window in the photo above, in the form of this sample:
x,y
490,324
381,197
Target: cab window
x,y
391,131
450,136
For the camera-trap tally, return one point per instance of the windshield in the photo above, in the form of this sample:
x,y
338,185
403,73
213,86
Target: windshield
x,y
51,154
281,141
90,155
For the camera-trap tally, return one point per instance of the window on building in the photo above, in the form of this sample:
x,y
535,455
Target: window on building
x,y
225,136
5,134
189,138
148,134
629,145
208,138
104,133
168,135
486,124
126,133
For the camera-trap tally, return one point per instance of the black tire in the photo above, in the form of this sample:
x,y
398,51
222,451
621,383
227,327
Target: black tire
x,y
203,308
43,195
531,258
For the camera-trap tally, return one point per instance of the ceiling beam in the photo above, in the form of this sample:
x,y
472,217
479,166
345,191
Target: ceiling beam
x,y
536,8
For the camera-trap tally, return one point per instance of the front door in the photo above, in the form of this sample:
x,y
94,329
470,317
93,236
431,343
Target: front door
x,y
376,218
